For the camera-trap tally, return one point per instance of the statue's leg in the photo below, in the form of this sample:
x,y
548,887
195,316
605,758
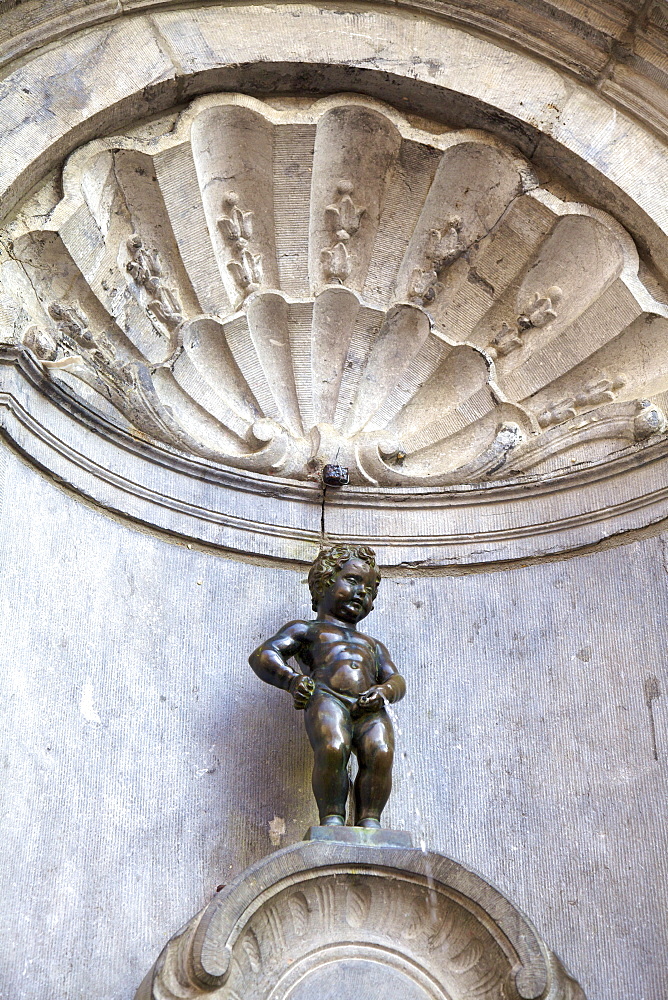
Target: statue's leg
x,y
329,729
374,746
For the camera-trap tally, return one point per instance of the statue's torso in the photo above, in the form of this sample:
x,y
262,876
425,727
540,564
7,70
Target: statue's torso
x,y
339,658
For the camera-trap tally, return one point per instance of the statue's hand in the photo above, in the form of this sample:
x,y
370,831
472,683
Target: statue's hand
x,y
301,690
369,701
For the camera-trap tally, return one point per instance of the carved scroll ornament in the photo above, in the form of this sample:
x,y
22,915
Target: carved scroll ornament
x,y
342,921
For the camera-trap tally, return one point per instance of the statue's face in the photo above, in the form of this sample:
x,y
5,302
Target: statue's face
x,y
350,595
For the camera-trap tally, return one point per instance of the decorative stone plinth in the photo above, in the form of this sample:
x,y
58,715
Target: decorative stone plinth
x,y
337,920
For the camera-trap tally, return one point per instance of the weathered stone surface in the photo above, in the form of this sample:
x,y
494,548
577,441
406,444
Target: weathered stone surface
x,y
31,23
352,921
619,47
541,774
52,101
211,38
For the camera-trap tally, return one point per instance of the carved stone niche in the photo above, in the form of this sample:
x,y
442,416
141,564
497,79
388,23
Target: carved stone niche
x,y
343,922
243,292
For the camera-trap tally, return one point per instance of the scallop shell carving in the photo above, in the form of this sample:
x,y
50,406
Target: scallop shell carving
x,y
276,289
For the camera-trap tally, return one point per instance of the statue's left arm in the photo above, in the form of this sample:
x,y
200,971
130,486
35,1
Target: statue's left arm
x,y
390,681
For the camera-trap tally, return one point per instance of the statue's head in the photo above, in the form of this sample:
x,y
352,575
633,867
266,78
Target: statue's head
x,y
347,577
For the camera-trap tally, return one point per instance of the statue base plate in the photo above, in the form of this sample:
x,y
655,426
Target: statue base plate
x,y
370,837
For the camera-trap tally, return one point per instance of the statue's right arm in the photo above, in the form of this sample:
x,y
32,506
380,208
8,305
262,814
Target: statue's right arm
x,y
270,660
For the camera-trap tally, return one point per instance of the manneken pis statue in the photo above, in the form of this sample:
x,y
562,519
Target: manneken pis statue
x,y
345,681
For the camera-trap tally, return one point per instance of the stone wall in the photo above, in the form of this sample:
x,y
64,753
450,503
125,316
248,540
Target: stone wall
x,y
144,761
145,764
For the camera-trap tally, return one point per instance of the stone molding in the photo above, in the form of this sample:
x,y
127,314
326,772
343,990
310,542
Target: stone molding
x,y
410,922
197,501
619,48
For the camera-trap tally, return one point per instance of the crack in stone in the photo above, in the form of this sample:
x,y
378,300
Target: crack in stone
x,y
165,45
22,264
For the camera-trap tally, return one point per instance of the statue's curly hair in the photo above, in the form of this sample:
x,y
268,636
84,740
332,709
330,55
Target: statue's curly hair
x,y
329,562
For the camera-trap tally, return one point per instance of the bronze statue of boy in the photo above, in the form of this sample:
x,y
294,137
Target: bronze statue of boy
x,y
347,678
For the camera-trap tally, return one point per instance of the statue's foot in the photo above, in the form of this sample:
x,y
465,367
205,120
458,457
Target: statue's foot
x,y
369,823
333,821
